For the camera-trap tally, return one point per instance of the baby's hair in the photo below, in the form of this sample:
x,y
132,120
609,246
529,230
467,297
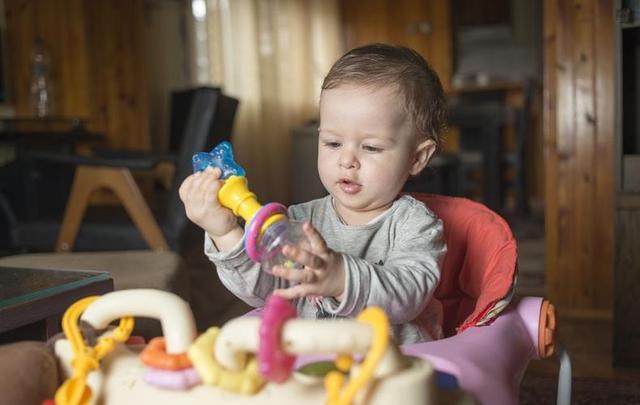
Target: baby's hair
x,y
382,65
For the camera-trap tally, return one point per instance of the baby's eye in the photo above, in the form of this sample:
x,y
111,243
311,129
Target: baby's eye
x,y
332,145
371,148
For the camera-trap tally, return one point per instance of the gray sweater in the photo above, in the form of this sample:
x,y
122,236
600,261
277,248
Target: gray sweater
x,y
392,262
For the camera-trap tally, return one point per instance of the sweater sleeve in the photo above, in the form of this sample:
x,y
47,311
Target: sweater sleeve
x,y
405,283
240,275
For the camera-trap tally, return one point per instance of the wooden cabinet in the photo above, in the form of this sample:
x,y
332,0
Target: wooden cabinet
x,y
626,341
424,25
592,212
97,63
626,333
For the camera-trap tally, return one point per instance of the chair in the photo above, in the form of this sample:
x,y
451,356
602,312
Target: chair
x,y
490,335
441,176
517,158
480,126
209,119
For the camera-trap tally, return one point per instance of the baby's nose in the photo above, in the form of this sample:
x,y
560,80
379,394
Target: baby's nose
x,y
348,159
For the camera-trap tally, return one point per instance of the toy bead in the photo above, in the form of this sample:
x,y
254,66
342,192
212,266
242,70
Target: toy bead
x,y
247,381
274,363
256,225
174,380
155,355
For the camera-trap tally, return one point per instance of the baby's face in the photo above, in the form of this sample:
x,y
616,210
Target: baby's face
x,y
367,148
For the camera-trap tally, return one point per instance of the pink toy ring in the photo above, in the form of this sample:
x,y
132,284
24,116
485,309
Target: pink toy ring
x,y
173,380
253,230
274,363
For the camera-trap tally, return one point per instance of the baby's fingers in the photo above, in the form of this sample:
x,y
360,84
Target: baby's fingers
x,y
185,187
294,275
318,245
303,257
297,291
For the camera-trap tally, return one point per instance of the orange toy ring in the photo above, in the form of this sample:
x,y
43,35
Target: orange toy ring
x,y
155,355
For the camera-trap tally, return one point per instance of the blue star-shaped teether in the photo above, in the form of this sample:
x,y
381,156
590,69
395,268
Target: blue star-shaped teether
x,y
221,156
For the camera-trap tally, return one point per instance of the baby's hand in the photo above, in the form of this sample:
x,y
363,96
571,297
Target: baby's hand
x,y
199,193
323,272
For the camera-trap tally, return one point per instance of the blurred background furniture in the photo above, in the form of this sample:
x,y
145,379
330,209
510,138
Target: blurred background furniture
x,y
489,161
305,182
65,275
202,117
480,153
22,178
33,300
517,158
441,176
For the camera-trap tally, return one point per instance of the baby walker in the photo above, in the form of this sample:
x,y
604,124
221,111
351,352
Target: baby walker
x,y
274,358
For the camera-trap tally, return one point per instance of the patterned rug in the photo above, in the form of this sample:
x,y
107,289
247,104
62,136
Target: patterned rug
x,y
542,390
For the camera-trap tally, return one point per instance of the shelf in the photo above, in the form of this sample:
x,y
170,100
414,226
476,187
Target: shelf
x,y
631,173
627,200
630,25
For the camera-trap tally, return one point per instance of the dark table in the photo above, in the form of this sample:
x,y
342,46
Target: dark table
x,y
65,133
32,301
24,180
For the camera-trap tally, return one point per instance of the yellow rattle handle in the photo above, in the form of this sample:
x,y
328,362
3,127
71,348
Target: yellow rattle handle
x,y
235,195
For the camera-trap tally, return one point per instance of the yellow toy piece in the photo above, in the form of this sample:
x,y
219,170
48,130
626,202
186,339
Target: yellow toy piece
x,y
334,381
235,195
75,391
248,381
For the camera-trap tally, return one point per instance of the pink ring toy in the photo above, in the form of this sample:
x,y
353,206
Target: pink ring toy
x,y
274,363
253,230
173,380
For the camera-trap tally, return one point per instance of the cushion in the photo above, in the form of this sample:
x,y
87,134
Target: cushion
x,y
28,373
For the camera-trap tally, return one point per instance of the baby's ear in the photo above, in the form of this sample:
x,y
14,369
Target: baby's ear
x,y
424,151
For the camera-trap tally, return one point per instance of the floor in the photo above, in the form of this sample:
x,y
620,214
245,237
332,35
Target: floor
x,y
588,342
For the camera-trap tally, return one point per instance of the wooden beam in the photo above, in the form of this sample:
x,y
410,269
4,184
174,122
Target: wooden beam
x,y
579,145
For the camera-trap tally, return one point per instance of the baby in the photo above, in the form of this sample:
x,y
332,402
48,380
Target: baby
x,y
382,113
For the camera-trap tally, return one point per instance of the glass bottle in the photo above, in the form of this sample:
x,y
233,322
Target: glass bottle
x,y
41,90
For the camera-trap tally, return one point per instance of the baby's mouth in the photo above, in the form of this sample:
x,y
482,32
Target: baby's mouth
x,y
349,187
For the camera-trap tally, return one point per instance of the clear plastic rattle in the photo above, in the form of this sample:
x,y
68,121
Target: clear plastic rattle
x,y
268,227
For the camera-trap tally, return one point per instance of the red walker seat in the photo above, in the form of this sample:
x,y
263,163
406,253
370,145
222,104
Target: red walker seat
x,y
487,353
480,266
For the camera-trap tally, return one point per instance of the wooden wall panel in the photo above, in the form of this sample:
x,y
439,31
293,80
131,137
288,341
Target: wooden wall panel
x,y
605,142
61,26
578,75
117,63
97,63
398,21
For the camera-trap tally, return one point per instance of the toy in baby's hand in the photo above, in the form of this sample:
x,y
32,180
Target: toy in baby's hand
x,y
268,227
221,157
